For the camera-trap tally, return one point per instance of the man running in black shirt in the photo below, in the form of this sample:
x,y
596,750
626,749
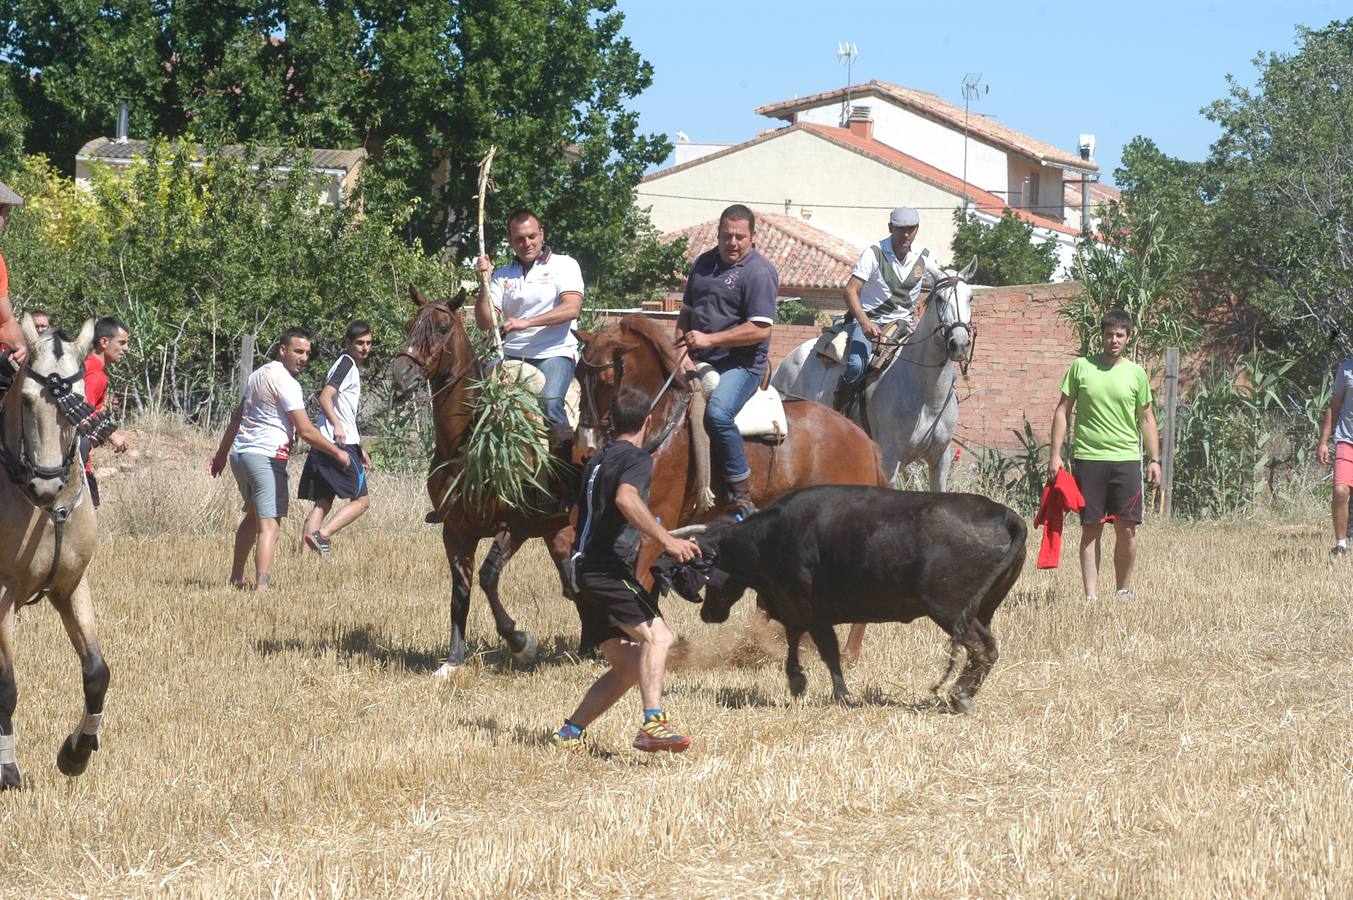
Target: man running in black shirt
x,y
618,616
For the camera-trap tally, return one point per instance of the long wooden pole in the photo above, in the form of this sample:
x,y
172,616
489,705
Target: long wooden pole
x,y
485,165
1168,438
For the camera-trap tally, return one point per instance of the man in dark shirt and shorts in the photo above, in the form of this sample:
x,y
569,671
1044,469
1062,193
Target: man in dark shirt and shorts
x,y
618,616
725,321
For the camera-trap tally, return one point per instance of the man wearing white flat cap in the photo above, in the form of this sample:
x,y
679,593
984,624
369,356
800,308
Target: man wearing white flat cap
x,y
883,289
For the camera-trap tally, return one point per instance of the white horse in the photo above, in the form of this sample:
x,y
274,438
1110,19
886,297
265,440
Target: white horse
x,y
912,408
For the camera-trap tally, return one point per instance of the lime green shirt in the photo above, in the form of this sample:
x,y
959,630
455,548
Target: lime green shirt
x,y
1108,399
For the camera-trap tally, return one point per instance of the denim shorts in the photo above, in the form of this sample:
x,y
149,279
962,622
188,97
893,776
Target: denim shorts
x,y
263,483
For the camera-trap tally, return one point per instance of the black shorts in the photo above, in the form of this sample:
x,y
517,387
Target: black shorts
x,y
323,479
1112,489
607,600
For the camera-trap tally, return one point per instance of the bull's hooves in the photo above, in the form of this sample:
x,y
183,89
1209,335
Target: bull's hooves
x,y
798,684
960,705
845,701
530,649
446,670
10,779
71,762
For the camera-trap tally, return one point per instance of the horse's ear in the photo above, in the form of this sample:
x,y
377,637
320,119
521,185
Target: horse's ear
x,y
416,296
969,269
30,331
584,337
458,301
85,342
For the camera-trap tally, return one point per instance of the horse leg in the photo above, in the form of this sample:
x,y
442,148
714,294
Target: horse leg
x,y
459,557
77,614
10,779
939,462
830,651
522,644
797,680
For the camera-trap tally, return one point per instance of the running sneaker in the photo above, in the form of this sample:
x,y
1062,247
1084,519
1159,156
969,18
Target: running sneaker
x,y
655,736
1091,598
1339,553
569,743
1124,594
319,543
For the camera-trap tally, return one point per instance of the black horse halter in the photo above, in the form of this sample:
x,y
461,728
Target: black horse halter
x,y
590,417
945,330
74,409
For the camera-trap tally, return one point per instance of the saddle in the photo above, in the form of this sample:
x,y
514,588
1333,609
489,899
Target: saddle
x,y
534,379
762,418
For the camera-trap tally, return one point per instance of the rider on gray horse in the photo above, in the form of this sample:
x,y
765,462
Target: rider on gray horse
x,y
883,289
13,349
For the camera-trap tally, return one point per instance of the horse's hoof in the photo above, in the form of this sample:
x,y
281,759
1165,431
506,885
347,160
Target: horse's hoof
x,y
446,670
530,649
73,758
10,779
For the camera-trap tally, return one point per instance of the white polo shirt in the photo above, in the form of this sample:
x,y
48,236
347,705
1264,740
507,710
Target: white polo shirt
x,y
876,291
518,297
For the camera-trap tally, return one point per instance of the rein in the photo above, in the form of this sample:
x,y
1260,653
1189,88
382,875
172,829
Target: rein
x,y
428,368
590,417
944,330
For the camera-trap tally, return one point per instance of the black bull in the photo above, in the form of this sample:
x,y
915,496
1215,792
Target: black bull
x,y
833,554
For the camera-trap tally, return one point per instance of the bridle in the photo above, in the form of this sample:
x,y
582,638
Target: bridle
x,y
434,363
944,331
589,416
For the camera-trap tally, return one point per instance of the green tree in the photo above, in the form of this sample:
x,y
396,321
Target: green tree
x,y
1006,252
426,86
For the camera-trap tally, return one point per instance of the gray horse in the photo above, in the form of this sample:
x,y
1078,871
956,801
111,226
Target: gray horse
x,y
47,529
912,408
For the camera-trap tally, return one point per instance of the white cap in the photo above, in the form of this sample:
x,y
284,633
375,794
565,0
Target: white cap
x,y
904,217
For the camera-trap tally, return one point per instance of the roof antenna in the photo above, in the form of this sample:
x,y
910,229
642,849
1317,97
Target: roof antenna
x,y
973,89
846,52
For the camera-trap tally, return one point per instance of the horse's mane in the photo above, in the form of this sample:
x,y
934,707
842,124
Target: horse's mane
x,y
649,330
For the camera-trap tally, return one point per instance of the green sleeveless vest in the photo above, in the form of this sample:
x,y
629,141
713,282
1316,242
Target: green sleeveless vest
x,y
901,290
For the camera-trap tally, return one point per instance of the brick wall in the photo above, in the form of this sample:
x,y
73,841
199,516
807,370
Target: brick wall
x,y
1023,350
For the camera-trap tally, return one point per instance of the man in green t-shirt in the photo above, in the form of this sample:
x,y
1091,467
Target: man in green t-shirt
x,y
1112,401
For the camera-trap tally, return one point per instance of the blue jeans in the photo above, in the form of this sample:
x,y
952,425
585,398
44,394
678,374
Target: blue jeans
x,y
558,372
736,386
857,357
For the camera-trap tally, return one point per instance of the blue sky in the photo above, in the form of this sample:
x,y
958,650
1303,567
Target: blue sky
x,y
1054,70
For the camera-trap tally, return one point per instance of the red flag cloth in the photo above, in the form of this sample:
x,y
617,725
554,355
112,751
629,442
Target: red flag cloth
x,y
1059,497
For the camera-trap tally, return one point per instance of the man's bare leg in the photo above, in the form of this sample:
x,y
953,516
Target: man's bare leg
x,y
623,674
313,520
1090,535
1339,511
1124,552
346,515
245,537
265,552
655,639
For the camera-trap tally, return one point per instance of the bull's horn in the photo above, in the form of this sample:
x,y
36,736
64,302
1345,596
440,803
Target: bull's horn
x,y
689,531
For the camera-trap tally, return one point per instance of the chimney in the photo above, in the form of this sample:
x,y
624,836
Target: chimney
x,y
861,123
1087,149
121,120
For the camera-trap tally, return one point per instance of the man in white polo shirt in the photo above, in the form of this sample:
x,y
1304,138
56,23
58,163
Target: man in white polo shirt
x,y
883,289
538,297
257,443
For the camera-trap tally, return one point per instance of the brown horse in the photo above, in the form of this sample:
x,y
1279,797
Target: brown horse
x,y
822,447
439,352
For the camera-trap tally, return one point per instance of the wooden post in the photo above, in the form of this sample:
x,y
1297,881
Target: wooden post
x,y
1167,438
246,361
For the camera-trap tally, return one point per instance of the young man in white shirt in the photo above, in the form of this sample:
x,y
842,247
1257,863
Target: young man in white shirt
x,y
538,297
321,479
257,444
884,288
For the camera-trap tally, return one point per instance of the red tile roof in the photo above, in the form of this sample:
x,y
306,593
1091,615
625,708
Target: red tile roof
x,y
932,107
1100,193
805,257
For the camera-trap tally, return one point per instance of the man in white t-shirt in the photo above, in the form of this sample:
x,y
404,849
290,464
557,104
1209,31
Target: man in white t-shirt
x,y
258,442
538,297
883,289
322,479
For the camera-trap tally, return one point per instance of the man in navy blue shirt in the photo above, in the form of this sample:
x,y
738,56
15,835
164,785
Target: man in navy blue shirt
x,y
725,321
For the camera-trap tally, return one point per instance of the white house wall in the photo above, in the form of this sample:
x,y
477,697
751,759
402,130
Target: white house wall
x,y
927,140
811,173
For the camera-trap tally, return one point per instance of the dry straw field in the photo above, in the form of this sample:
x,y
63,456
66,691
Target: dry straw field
x,y
1192,742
